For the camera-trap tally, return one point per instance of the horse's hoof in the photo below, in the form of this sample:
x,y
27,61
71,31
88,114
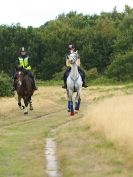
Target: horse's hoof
x,y
23,107
76,112
72,114
25,113
68,110
31,108
76,109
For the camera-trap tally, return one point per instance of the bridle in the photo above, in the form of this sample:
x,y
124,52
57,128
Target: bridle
x,y
19,78
72,57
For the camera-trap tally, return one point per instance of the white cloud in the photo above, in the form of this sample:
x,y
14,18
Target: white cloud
x,y
37,12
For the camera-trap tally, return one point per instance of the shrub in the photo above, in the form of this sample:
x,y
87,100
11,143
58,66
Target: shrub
x,y
58,76
121,68
91,74
5,85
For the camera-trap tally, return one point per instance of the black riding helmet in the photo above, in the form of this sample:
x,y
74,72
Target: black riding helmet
x,y
71,46
22,51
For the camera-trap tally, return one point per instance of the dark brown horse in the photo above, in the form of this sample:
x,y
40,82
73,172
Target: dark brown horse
x,y
25,90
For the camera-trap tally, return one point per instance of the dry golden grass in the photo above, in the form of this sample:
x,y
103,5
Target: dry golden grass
x,y
114,117
45,100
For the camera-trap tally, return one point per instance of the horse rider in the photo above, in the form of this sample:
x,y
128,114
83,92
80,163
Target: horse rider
x,y
71,49
23,62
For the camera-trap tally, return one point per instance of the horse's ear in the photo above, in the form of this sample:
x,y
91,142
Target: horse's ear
x,y
16,68
19,68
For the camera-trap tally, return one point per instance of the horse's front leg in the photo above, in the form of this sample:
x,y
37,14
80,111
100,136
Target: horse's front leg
x,y
19,103
70,102
77,101
26,102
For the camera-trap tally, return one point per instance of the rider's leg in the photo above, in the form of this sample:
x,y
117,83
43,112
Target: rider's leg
x,y
65,77
82,73
31,75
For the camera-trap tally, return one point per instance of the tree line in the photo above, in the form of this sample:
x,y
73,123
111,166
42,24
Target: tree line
x,y
104,42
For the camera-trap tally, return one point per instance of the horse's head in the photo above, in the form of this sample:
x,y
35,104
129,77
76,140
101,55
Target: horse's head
x,y
19,77
73,57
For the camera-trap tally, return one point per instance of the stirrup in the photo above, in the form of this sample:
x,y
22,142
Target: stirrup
x,y
84,85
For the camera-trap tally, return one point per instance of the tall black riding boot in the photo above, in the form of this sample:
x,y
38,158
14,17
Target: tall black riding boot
x,y
84,84
65,78
64,86
34,85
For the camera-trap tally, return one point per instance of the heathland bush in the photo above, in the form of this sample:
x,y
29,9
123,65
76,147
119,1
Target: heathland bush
x,y
121,68
5,85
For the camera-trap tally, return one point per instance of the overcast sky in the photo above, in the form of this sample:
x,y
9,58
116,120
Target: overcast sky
x,y
36,12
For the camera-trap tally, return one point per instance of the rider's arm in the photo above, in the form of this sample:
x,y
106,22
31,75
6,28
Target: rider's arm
x,y
17,62
28,67
78,62
67,62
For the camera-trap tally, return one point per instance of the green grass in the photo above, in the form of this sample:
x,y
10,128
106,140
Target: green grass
x,y
101,81
19,153
49,82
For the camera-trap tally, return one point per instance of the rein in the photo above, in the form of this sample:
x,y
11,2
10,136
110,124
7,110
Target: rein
x,y
74,80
